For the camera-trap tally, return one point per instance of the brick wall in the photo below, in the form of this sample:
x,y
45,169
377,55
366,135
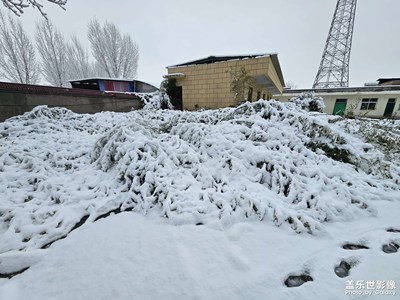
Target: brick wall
x,y
208,85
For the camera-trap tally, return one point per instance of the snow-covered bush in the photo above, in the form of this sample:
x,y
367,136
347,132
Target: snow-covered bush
x,y
309,101
156,100
169,90
266,161
383,134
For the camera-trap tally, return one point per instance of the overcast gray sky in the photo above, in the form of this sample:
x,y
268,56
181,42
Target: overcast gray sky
x,y
175,31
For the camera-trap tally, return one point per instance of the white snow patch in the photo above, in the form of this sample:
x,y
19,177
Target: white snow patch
x,y
234,171
131,257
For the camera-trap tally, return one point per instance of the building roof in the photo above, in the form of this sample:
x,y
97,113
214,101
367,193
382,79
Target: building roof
x,y
374,88
277,66
383,80
172,75
215,59
96,79
101,78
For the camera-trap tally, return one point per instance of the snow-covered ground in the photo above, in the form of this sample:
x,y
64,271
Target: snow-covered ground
x,y
224,204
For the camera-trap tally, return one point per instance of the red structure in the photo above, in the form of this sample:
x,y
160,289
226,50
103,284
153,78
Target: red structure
x,y
114,85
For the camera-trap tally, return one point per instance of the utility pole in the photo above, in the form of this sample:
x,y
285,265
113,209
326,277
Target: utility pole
x,y
334,68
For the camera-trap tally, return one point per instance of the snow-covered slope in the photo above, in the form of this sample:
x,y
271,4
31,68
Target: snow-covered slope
x,y
128,256
286,197
263,161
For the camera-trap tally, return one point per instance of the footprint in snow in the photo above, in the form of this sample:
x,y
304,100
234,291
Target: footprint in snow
x,y
297,280
390,248
393,230
350,246
12,274
343,269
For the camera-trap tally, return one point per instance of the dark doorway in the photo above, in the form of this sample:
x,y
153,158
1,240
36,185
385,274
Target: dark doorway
x,y
179,98
174,92
390,107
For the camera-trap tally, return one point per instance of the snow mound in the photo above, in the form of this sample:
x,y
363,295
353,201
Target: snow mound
x,y
309,101
265,161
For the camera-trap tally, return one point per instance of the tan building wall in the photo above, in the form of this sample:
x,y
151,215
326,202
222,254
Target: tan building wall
x,y
354,101
209,85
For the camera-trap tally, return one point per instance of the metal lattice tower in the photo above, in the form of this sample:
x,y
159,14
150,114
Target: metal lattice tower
x,y
334,68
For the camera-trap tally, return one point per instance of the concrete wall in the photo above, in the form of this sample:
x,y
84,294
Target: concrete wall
x,y
354,101
208,85
17,103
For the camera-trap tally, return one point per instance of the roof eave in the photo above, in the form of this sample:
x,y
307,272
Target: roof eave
x,y
277,66
229,58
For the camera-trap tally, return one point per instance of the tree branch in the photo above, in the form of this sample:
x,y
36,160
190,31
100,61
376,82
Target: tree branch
x,y
18,6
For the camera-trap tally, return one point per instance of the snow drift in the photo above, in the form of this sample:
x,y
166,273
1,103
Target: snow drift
x,y
265,161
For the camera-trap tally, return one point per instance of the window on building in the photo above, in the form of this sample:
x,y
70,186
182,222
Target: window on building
x,y
369,103
258,95
250,94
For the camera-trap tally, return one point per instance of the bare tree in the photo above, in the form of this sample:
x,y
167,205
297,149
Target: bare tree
x,y
54,53
240,81
116,54
78,60
97,70
17,53
290,85
18,6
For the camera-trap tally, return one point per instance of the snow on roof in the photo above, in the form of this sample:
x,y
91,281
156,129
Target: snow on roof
x,y
174,75
103,78
214,59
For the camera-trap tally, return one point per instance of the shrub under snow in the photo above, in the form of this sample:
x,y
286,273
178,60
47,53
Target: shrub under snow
x,y
156,100
265,161
309,101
